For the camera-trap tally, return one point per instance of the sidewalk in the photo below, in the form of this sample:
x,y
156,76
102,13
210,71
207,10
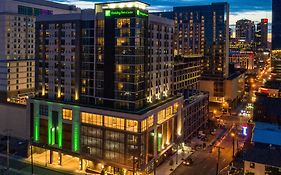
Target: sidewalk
x,y
165,167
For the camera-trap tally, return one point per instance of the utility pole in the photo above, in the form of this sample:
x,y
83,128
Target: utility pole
x,y
31,156
154,167
133,165
8,151
219,154
8,133
177,153
233,141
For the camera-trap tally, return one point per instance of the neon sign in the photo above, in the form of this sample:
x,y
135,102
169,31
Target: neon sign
x,y
140,13
109,13
244,129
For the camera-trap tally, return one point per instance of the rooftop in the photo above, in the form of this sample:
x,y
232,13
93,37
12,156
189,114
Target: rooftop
x,y
121,4
49,4
267,133
264,154
142,111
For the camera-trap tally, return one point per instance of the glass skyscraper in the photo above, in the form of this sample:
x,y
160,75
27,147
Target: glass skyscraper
x,y
276,25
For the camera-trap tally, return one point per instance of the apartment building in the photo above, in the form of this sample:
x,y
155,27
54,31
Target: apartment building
x,y
17,46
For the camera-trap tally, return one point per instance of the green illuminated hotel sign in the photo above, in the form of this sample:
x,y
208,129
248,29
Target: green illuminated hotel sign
x,y
140,13
109,13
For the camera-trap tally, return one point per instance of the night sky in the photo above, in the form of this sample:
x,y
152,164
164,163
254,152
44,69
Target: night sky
x,y
250,9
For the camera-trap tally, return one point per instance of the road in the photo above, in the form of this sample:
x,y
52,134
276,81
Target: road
x,y
18,167
205,162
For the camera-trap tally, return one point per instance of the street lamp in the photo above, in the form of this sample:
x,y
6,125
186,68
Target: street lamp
x,y
233,137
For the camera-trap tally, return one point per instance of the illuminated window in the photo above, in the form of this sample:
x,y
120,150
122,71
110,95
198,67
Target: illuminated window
x,y
169,111
93,119
132,125
143,125
67,114
122,41
161,116
123,22
176,106
150,121
114,122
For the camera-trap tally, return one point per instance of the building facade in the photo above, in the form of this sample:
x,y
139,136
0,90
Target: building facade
x,y
196,114
193,35
17,47
245,30
104,83
276,25
261,35
242,59
187,72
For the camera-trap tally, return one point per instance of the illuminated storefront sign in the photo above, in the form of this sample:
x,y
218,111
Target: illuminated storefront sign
x,y
109,13
244,129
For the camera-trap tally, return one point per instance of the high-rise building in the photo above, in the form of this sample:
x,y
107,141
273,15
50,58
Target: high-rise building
x,y
17,45
104,88
245,30
276,25
204,30
187,71
261,35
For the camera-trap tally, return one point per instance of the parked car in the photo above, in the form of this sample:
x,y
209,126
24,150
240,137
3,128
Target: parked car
x,y
188,161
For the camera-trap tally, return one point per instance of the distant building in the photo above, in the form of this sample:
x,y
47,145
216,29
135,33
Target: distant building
x,y
245,30
262,159
204,30
261,35
263,155
276,25
242,59
187,72
268,103
17,45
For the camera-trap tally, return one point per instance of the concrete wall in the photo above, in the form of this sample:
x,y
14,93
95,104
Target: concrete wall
x,y
234,88
207,86
14,118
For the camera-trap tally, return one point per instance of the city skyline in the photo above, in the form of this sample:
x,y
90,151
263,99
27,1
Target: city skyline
x,y
251,9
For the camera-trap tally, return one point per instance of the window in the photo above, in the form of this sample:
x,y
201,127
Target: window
x,y
169,111
143,125
252,165
43,110
93,119
114,122
67,114
161,116
132,125
150,121
176,106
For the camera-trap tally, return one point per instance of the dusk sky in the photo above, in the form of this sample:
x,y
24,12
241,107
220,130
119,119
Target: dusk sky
x,y
250,9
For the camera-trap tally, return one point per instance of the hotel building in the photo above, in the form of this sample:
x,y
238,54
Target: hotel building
x,y
17,45
104,89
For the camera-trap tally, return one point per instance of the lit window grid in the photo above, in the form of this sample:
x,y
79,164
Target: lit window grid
x,y
67,114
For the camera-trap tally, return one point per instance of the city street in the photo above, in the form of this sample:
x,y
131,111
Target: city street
x,y
205,162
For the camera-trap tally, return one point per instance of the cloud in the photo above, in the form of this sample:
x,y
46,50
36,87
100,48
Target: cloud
x,y
254,15
239,9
